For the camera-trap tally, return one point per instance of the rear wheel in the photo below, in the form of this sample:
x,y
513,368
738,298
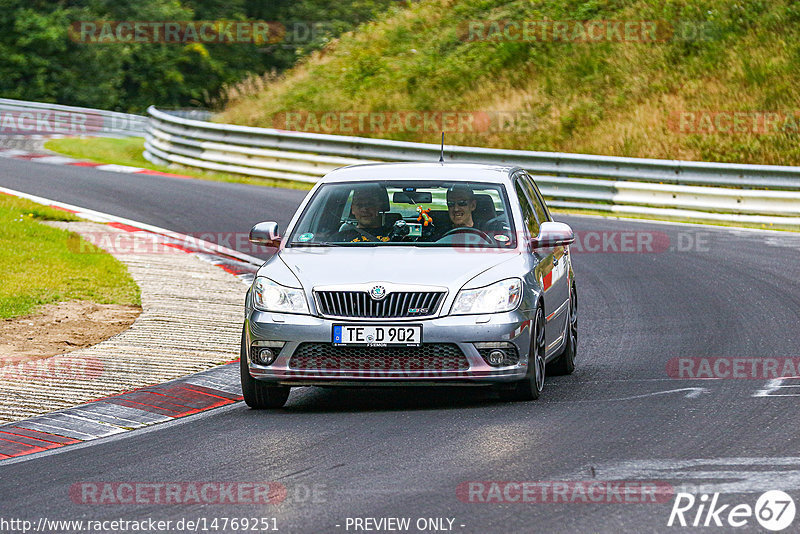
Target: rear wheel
x,y
565,363
530,387
257,394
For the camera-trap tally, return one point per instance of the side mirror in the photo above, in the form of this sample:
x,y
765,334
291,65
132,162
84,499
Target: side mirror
x,y
265,233
553,234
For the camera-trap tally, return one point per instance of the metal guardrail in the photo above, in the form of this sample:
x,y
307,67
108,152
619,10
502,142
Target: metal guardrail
x,y
37,118
764,194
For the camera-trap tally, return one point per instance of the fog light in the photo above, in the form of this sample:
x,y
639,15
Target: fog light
x,y
498,353
265,352
266,356
496,357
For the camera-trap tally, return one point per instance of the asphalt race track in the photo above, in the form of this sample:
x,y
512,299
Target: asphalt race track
x,y
701,292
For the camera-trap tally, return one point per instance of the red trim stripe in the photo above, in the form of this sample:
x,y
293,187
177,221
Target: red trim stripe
x,y
122,226
62,209
85,164
31,156
179,247
15,441
42,436
547,281
159,173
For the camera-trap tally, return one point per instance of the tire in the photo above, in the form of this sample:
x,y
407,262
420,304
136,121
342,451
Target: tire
x,y
564,364
257,394
530,387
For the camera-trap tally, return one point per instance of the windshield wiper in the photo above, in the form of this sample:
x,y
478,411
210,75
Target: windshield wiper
x,y
315,244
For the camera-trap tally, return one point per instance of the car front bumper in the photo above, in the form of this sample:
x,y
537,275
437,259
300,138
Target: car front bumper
x,y
463,331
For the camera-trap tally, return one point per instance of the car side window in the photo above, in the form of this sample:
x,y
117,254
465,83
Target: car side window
x,y
540,201
536,200
528,215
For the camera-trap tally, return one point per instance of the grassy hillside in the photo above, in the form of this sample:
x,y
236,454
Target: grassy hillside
x,y
600,97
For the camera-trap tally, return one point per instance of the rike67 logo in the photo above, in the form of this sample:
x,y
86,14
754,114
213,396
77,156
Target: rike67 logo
x,y
774,511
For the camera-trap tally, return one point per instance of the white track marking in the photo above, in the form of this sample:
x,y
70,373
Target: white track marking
x,y
693,393
740,474
777,384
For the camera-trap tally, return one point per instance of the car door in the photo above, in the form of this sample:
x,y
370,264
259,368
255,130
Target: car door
x,y
542,267
559,275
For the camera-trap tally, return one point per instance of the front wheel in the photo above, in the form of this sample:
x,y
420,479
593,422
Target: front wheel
x,y
257,394
530,387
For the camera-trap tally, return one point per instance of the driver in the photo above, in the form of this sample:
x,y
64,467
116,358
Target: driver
x,y
461,206
366,207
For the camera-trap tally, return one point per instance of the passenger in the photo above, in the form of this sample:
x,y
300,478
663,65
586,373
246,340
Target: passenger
x,y
369,203
460,205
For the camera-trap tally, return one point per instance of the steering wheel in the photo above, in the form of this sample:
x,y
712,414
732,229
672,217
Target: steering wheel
x,y
467,230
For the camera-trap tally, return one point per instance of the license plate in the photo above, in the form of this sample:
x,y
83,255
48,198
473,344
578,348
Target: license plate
x,y
377,335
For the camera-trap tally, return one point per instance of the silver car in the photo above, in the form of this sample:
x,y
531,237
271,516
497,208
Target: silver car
x,y
412,274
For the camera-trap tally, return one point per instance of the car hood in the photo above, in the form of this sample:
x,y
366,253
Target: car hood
x,y
443,267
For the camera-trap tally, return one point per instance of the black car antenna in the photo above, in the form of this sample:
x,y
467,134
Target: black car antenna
x,y
441,156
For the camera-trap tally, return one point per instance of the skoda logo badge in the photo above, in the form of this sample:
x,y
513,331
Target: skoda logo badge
x,y
377,293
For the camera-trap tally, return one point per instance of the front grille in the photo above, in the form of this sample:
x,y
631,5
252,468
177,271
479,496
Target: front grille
x,y
324,356
395,305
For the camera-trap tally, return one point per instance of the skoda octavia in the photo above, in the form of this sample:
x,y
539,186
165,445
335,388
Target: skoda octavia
x,y
412,274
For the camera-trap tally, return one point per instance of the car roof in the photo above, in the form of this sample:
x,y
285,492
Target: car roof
x,y
457,172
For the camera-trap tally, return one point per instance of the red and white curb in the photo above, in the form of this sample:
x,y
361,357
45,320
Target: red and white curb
x,y
121,413
241,265
13,153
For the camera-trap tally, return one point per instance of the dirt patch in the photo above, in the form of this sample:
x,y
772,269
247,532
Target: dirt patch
x,y
61,328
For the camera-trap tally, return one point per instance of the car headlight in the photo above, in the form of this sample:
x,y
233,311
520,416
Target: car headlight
x,y
499,297
269,296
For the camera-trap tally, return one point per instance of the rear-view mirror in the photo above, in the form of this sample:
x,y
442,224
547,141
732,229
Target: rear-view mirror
x,y
412,197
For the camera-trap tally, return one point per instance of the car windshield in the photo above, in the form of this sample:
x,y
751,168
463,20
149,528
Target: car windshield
x,y
406,213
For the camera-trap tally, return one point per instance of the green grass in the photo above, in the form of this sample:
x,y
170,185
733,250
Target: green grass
x,y
613,98
41,265
125,151
128,151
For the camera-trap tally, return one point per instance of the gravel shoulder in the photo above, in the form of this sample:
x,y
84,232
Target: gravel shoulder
x,y
60,328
